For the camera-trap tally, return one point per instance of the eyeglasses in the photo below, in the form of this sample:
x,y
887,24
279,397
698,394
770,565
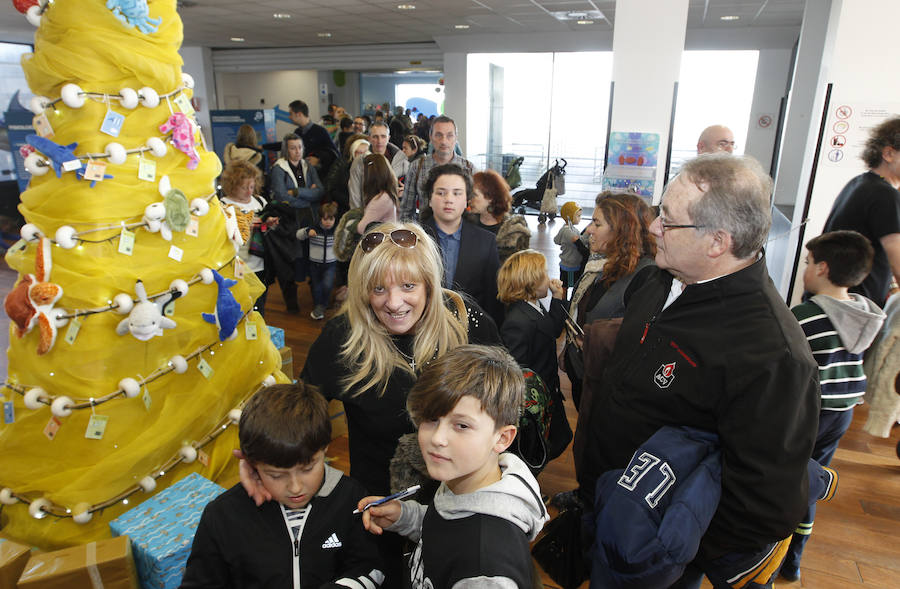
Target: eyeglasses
x,y
666,226
400,237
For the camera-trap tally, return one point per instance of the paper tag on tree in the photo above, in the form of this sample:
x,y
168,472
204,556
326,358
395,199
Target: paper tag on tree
x,y
96,427
71,165
184,104
193,228
126,242
95,171
72,331
147,170
250,331
202,457
238,268
148,401
176,253
42,126
52,427
169,309
112,123
9,412
204,368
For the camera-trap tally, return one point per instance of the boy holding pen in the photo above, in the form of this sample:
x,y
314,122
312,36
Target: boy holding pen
x,y
307,534
488,507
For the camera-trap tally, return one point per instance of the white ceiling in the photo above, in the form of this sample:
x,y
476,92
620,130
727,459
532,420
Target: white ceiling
x,y
212,23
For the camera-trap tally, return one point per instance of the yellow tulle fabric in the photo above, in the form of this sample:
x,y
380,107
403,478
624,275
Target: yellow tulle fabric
x,y
80,41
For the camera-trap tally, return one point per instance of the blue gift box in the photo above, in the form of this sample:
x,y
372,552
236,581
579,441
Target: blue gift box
x,y
276,334
162,530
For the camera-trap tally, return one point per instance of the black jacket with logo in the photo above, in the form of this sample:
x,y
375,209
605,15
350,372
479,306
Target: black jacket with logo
x,y
727,356
240,545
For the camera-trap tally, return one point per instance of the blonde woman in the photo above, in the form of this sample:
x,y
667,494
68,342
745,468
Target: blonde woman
x,y
395,320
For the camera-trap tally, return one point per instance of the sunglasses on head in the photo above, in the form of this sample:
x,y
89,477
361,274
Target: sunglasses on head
x,y
399,237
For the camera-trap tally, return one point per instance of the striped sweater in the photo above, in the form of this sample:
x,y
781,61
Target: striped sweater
x,y
839,332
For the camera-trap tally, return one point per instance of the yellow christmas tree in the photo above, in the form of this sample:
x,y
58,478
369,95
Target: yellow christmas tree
x,y
118,386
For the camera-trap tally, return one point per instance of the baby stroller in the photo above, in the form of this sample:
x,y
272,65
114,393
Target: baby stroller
x,y
543,197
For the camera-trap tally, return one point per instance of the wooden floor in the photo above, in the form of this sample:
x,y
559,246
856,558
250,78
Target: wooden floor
x,y
856,542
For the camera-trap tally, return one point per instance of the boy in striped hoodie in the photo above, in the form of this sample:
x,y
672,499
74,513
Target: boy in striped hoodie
x,y
839,326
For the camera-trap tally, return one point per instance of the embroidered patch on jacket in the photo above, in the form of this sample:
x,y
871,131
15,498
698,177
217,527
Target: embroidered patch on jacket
x,y
332,542
664,376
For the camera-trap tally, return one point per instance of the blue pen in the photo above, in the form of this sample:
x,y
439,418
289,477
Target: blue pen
x,y
401,495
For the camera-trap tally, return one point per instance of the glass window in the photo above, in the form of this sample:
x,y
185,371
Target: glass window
x,y
543,107
704,99
12,80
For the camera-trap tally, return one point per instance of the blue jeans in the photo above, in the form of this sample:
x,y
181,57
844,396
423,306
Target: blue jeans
x,y
321,277
832,427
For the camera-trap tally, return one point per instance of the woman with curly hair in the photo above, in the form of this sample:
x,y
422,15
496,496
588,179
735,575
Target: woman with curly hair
x,y
240,183
621,247
490,207
622,252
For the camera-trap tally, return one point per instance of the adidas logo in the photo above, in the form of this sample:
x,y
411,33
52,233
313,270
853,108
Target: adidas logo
x,y
332,542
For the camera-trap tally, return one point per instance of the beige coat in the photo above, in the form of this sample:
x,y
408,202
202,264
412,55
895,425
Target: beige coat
x,y
882,366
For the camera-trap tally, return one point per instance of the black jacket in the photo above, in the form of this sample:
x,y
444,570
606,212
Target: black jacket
x,y
727,357
476,267
531,338
240,545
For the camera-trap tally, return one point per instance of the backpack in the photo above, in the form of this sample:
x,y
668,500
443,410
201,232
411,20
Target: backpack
x,y
346,236
532,443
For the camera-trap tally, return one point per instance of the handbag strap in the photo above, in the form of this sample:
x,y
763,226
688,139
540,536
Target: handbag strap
x,y
535,495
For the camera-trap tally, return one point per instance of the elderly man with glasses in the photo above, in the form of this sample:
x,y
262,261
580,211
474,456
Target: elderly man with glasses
x,y
707,342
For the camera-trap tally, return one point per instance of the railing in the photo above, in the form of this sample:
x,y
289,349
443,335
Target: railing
x,y
583,173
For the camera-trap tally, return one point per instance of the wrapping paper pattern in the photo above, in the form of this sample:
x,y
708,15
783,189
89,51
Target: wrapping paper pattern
x,y
162,530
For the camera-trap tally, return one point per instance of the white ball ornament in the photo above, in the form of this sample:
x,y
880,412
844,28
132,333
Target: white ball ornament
x,y
62,406
149,97
199,206
128,98
188,454
6,496
130,387
268,381
179,285
30,232
65,237
206,276
38,104
59,318
179,364
124,303
117,153
188,80
81,513
33,15
34,164
33,397
234,416
157,146
147,484
72,95
37,507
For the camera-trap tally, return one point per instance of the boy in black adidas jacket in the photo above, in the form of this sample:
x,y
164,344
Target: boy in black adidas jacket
x,y
306,535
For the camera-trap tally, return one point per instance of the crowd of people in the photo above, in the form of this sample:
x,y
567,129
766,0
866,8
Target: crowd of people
x,y
670,321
